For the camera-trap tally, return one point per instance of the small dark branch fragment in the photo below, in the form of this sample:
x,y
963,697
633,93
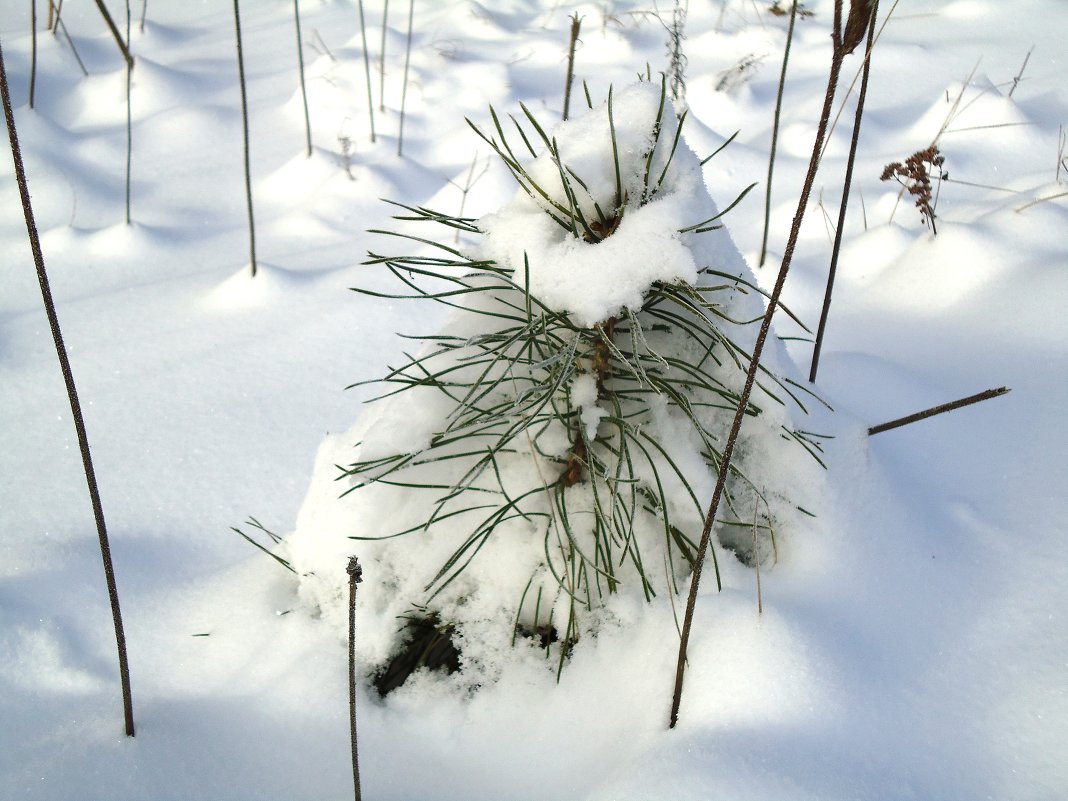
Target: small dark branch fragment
x,y
945,407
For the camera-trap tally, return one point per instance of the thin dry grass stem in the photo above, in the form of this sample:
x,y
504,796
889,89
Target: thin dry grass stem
x,y
775,132
838,55
144,10
129,115
1019,75
404,85
61,25
300,67
382,59
115,32
355,572
33,50
470,181
941,409
677,60
576,24
1062,164
367,70
244,128
1045,199
846,184
72,396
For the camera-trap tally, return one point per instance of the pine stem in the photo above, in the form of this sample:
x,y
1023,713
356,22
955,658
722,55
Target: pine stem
x,y
945,407
775,132
367,70
300,64
244,122
836,249
754,363
355,577
576,23
72,396
115,33
404,87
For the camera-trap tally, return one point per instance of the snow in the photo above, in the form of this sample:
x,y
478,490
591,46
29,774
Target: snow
x,y
912,643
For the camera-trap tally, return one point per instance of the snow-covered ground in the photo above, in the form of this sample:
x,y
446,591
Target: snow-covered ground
x,y
913,642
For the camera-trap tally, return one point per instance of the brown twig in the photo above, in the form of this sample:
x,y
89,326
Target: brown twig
x,y
754,363
945,407
846,184
72,396
115,33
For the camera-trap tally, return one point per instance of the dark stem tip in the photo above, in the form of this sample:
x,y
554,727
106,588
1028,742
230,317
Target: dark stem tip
x,y
355,570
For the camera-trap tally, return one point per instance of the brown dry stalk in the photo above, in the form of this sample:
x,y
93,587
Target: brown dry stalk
x,y
754,363
72,396
846,184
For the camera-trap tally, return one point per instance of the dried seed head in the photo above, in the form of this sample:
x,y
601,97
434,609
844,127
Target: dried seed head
x,y
856,27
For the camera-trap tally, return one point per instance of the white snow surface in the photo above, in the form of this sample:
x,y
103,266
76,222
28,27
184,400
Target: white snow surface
x,y
913,642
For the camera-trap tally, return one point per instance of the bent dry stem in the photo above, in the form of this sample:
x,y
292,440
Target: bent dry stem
x,y
72,395
839,52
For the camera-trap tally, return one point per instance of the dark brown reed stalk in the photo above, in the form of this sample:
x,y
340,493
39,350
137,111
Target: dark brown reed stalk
x,y
941,409
244,121
33,49
115,32
367,70
382,60
355,577
847,183
838,54
775,132
59,12
72,396
129,118
404,86
576,23
300,65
